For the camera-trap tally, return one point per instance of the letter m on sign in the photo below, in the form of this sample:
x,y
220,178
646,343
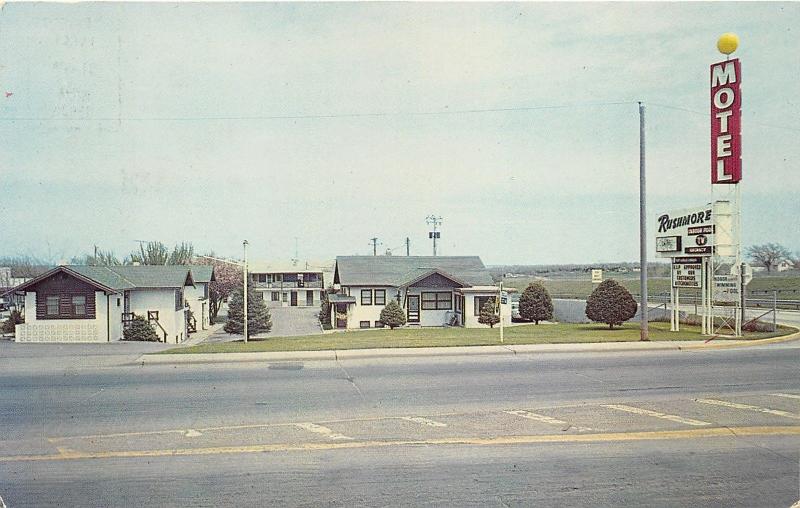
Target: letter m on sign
x,y
726,120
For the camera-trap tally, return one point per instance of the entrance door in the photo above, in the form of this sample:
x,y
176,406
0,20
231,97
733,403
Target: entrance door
x,y
309,298
294,299
341,315
413,308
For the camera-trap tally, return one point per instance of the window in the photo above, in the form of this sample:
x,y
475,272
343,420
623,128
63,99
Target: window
x,y
79,305
380,297
378,324
179,299
458,303
363,324
119,300
285,297
437,301
276,296
259,277
52,305
261,295
480,301
366,298
428,301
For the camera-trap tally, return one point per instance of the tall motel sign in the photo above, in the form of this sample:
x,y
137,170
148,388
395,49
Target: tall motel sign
x,y
704,242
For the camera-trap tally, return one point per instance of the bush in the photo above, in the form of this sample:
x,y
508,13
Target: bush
x,y
535,303
9,325
258,317
392,315
325,312
610,303
489,314
140,330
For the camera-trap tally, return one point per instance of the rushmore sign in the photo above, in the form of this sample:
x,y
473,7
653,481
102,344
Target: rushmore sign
x,y
685,232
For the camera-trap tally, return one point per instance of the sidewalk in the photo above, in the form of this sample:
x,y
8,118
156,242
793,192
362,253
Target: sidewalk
x,y
354,354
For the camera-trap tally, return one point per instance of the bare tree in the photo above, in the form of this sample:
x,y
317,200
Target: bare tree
x,y
768,254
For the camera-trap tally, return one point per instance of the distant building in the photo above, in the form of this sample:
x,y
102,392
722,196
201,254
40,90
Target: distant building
x,y
95,303
433,290
299,284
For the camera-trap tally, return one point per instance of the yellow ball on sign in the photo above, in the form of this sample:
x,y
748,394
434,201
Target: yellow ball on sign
x,y
728,43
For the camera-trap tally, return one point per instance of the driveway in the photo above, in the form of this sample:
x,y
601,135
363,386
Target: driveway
x,y
286,322
291,321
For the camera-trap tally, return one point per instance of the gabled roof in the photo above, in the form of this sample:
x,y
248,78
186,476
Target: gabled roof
x,y
112,279
399,271
201,273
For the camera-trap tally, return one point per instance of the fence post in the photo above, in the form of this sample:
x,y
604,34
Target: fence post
x,y
775,311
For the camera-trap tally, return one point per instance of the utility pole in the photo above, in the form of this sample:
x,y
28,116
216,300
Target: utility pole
x,y
436,222
244,244
643,332
408,246
374,241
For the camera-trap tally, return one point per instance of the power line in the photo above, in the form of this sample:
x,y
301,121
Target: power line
x,y
324,116
707,114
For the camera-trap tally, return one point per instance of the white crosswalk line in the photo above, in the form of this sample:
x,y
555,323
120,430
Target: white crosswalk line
x,y
655,414
319,429
786,395
737,405
544,419
423,421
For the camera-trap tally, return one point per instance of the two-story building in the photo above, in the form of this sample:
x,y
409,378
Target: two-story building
x,y
289,285
95,303
433,290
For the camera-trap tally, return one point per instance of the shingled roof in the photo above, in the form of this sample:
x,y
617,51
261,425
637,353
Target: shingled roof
x,y
397,271
118,278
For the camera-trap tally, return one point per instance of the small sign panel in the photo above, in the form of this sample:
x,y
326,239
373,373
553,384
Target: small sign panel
x,y
597,276
726,288
687,273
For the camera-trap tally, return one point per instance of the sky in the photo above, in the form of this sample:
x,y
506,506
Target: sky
x,y
335,123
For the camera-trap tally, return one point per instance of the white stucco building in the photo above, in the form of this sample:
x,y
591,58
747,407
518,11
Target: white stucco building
x,y
433,290
94,303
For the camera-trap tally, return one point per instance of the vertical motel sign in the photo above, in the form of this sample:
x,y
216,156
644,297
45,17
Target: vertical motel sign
x,y
726,122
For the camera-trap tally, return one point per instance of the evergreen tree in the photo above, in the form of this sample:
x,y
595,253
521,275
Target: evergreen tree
x,y
535,303
258,317
140,330
489,315
610,303
393,315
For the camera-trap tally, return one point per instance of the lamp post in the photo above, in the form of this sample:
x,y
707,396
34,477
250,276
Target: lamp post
x,y
244,244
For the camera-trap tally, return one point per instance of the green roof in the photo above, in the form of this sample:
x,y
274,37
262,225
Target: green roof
x,y
142,276
397,271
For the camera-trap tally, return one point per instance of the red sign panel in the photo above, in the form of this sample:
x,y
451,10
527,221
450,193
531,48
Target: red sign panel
x,y
726,122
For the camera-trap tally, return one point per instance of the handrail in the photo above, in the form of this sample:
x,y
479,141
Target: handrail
x,y
152,317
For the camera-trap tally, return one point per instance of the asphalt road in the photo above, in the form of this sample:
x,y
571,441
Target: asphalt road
x,y
699,428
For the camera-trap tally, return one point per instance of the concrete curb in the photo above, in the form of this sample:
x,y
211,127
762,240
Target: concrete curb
x,y
358,354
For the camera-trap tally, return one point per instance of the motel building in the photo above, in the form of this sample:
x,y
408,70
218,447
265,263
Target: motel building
x,y
96,303
298,284
433,290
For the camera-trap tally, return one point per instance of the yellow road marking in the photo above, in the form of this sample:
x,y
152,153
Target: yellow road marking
x,y
786,395
319,429
655,414
736,405
68,454
544,419
423,421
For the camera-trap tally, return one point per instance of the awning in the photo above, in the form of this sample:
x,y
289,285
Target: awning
x,y
339,298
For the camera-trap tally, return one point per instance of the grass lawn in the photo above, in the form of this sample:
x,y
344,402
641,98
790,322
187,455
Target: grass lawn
x,y
437,337
574,288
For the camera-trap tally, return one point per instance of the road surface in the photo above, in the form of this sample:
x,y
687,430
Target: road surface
x,y
690,428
